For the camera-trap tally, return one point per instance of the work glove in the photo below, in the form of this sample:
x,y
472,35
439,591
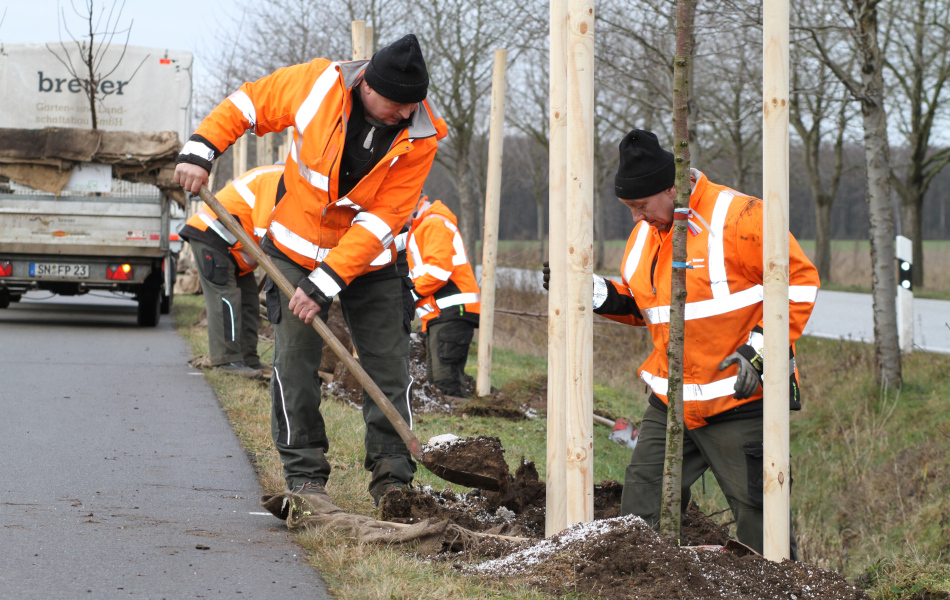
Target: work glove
x,y
750,371
547,274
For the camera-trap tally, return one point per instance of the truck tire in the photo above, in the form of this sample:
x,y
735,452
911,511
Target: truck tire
x,y
4,298
149,306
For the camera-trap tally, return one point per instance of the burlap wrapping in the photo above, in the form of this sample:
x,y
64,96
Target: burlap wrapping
x,y
425,537
44,158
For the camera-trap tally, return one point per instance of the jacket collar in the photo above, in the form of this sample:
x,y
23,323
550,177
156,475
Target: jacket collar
x,y
421,124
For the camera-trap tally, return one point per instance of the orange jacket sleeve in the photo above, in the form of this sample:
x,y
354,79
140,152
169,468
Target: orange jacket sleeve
x,y
436,249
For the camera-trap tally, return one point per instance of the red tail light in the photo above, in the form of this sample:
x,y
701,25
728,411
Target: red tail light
x,y
120,272
6,268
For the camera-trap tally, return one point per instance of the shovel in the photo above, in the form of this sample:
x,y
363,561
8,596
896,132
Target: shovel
x,y
399,424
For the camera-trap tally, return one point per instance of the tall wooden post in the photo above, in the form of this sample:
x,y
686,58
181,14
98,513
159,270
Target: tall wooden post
x,y
556,479
580,261
358,35
369,47
775,278
496,141
239,156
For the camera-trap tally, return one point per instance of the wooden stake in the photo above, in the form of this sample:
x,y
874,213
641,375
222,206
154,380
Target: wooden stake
x,y
239,157
496,140
580,261
358,35
555,516
369,46
260,151
775,278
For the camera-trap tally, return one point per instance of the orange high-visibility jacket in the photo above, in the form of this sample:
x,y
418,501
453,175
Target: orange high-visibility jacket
x,y
724,296
250,199
337,238
438,266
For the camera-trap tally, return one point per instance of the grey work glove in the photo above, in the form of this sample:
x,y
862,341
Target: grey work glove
x,y
547,274
749,378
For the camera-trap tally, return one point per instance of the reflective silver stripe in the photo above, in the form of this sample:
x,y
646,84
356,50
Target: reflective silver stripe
x,y
423,310
231,310
757,341
802,293
198,149
296,243
243,103
376,226
347,203
408,401
633,259
440,274
324,282
245,192
314,178
260,231
459,258
383,259
456,299
716,252
318,92
401,241
413,248
283,403
707,308
697,392
216,226
250,260
600,291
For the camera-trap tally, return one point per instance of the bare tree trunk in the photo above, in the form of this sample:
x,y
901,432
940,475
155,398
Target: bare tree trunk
x,y
539,203
670,516
880,214
823,238
91,84
468,209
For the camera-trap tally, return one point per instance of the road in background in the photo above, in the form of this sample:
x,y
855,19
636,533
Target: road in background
x,y
121,476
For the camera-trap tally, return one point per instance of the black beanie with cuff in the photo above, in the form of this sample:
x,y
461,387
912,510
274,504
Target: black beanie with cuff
x,y
645,168
398,71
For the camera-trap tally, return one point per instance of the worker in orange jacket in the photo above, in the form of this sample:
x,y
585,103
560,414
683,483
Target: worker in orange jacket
x,y
226,270
723,348
447,298
364,141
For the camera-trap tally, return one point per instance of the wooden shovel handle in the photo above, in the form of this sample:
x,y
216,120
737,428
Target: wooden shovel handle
x,y
402,428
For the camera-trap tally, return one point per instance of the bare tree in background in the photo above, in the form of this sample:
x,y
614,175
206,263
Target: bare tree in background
x,y
92,48
862,23
920,67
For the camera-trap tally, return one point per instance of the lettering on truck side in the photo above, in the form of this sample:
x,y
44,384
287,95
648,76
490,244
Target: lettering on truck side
x,y
55,85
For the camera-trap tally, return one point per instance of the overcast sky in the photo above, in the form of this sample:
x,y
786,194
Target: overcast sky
x,y
191,25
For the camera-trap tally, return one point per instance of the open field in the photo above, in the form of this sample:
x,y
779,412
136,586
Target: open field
x,y
871,467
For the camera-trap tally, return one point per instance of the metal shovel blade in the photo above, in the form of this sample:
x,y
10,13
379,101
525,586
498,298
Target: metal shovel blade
x,y
472,480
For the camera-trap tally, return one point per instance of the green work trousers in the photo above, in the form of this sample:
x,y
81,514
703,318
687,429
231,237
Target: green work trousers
x,y
732,449
447,345
375,311
233,306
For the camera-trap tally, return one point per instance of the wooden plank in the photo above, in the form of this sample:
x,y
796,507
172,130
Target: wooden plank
x,y
775,278
358,37
580,261
556,478
496,141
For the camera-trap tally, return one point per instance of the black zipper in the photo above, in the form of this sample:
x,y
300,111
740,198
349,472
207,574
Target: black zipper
x,y
656,257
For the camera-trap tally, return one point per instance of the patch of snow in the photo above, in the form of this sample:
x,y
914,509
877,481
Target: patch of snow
x,y
443,441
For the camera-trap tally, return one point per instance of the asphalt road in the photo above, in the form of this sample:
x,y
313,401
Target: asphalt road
x,y
120,475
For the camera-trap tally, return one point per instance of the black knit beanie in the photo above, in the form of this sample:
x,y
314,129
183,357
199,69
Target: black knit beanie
x,y
645,168
398,71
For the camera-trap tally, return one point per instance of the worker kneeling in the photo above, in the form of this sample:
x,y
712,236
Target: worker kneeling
x,y
723,348
226,269
447,298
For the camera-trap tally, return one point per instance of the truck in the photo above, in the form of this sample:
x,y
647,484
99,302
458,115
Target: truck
x,y
85,210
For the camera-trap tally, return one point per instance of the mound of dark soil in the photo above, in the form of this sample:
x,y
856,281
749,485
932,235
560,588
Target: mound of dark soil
x,y
483,456
623,558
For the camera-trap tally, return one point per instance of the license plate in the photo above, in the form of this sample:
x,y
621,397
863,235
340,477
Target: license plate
x,y
43,270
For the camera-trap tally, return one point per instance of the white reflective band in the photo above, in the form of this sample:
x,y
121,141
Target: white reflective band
x,y
600,291
440,274
283,403
198,149
423,310
394,162
716,252
231,310
217,227
324,282
633,259
757,341
707,308
376,226
347,203
243,102
296,243
318,92
413,249
460,257
317,180
401,241
456,299
250,260
245,192
802,293
260,231
383,259
697,392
